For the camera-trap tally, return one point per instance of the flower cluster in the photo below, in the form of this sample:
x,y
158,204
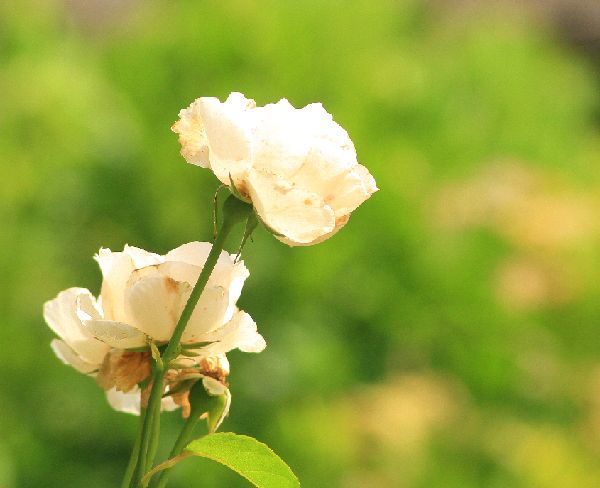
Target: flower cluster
x,y
299,171
142,297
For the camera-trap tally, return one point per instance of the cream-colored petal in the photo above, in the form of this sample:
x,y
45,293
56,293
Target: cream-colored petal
x,y
194,253
179,271
185,263
124,402
61,316
339,223
351,189
68,356
229,138
194,146
227,274
237,276
240,332
367,178
154,304
209,314
288,139
142,258
295,213
116,269
213,387
130,402
116,334
87,306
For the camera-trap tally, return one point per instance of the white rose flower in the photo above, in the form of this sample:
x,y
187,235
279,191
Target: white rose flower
x,y
142,297
297,166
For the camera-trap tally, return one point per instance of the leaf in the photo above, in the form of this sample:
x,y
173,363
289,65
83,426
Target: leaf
x,y
246,456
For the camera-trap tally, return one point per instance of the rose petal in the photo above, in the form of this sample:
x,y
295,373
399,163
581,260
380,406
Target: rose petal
x,y
154,304
209,314
240,332
130,402
228,133
68,356
61,316
116,269
142,258
299,215
194,146
116,334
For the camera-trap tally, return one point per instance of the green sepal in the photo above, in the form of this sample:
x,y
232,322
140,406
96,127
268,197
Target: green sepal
x,y
203,402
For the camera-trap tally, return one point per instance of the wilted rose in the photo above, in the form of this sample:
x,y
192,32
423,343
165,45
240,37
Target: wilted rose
x,y
142,297
297,166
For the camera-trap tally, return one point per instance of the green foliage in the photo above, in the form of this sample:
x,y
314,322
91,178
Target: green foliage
x,y
246,456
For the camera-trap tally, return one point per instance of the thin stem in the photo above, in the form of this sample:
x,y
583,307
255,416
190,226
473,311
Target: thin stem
x,y
135,453
152,411
185,436
153,444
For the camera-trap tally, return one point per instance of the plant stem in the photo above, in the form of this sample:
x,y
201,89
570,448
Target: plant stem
x,y
135,453
150,422
153,444
234,211
185,436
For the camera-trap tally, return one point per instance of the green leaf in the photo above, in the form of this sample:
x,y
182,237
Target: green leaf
x,y
246,456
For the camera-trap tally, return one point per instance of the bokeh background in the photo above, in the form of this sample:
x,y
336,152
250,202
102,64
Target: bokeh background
x,y
447,337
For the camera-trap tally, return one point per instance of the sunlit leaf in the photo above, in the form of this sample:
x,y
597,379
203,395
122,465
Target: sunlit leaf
x,y
248,457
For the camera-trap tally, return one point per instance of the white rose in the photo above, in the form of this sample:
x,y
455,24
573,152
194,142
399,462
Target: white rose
x,y
142,297
297,166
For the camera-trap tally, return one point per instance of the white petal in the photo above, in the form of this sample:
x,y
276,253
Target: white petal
x,y
238,275
116,269
209,314
130,402
179,271
213,387
191,253
339,223
154,304
61,316
229,138
297,214
194,146
351,189
68,356
142,258
186,262
124,402
116,334
240,332
227,275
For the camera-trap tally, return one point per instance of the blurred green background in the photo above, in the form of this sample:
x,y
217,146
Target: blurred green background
x,y
447,337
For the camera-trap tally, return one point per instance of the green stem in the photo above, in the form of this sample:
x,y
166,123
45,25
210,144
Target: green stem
x,y
185,436
135,453
234,211
153,444
150,422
